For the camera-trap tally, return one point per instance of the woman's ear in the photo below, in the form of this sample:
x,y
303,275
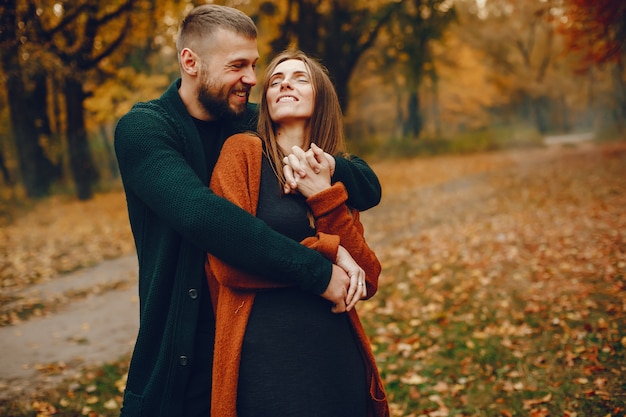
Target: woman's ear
x,y
189,62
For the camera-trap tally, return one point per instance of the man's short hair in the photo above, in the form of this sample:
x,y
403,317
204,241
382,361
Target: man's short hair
x,y
202,21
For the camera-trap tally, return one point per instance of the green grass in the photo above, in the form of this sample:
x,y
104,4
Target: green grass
x,y
95,392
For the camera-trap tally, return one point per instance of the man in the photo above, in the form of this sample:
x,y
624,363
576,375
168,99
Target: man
x,y
166,149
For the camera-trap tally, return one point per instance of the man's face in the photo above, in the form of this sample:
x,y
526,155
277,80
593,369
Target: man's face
x,y
227,74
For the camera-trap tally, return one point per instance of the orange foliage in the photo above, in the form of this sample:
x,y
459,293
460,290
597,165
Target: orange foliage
x,y
596,27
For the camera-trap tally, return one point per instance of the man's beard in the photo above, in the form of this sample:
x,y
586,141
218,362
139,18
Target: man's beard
x,y
215,102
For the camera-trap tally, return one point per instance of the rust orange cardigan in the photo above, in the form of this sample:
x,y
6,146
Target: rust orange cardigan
x,y
237,177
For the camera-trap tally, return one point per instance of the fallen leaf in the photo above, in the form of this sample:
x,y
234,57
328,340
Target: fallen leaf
x,y
528,404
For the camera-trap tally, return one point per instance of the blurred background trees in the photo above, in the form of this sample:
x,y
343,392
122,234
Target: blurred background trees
x,y
438,75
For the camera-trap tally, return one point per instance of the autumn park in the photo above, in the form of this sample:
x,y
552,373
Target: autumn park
x,y
497,129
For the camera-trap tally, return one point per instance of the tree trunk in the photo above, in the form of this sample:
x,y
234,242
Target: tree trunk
x,y
36,170
620,93
540,110
80,159
399,124
6,175
566,125
414,122
436,109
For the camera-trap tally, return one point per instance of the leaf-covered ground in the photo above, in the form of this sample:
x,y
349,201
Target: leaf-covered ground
x,y
503,291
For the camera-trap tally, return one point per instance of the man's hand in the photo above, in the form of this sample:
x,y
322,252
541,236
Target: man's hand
x,y
337,289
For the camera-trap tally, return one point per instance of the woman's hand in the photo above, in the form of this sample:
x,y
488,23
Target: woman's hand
x,y
308,172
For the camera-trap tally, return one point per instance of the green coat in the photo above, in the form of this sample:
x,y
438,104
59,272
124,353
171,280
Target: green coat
x,y
176,219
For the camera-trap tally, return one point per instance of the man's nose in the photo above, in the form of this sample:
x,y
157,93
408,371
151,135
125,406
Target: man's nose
x,y
249,77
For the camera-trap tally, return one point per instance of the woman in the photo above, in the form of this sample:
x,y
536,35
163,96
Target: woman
x,y
281,350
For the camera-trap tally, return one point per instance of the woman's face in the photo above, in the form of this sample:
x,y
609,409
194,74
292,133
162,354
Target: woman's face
x,y
290,96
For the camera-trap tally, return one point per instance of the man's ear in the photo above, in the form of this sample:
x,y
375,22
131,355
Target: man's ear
x,y
189,62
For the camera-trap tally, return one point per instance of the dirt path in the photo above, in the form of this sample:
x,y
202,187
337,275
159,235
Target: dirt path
x,y
94,329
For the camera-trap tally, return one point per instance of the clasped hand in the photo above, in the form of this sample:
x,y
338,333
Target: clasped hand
x,y
308,172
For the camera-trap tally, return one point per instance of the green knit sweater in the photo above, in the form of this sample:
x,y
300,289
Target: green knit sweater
x,y
176,219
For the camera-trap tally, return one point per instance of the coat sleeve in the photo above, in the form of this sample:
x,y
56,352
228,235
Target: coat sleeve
x,y
236,177
361,182
332,215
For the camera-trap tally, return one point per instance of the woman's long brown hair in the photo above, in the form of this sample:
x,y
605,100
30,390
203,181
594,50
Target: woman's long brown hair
x,y
326,122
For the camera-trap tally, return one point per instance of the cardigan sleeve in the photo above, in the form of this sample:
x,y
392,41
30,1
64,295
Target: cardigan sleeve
x,y
333,215
236,177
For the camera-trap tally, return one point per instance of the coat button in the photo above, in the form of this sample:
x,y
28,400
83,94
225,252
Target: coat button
x,y
193,293
183,360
